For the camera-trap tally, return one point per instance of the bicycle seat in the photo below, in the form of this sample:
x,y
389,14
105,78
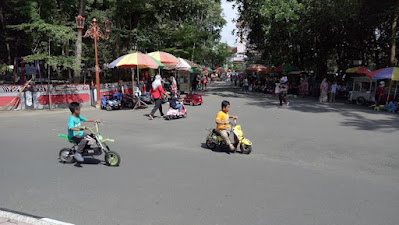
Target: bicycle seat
x,y
65,136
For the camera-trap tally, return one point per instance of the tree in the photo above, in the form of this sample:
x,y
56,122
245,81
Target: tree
x,y
315,34
187,28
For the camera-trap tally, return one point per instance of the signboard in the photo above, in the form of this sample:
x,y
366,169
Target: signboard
x,y
185,87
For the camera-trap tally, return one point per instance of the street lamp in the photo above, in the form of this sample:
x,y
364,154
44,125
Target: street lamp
x,y
80,22
95,32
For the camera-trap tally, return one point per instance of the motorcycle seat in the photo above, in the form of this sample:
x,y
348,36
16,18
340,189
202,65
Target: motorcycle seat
x,y
216,132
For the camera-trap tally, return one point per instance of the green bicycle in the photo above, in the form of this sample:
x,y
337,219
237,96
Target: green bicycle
x,y
96,147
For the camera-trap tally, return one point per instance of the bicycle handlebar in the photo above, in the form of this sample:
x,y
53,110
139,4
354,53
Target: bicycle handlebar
x,y
91,130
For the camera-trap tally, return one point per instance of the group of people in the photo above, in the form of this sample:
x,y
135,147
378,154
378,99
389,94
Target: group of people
x,y
157,92
200,82
326,89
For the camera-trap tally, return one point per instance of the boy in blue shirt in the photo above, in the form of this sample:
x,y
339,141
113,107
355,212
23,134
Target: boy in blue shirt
x,y
75,130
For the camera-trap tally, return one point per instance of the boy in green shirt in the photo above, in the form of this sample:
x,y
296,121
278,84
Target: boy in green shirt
x,y
75,130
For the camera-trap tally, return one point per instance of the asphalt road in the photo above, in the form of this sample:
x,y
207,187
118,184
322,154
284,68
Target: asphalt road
x,y
311,164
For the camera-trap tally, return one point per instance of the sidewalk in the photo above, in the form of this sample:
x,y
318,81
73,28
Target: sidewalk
x,y
10,218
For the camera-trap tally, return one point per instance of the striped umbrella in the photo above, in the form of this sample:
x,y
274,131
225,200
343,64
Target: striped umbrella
x,y
160,65
358,70
135,60
165,58
391,73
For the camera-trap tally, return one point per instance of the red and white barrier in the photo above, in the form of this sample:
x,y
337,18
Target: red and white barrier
x,y
37,96
61,95
8,93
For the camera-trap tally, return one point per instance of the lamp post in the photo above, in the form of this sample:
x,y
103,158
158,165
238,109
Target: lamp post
x,y
95,32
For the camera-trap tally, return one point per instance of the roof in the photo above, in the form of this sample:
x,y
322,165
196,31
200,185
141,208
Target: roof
x,y
233,49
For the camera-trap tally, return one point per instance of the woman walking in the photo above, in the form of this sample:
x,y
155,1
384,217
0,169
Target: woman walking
x,y
323,91
173,86
283,90
157,92
204,82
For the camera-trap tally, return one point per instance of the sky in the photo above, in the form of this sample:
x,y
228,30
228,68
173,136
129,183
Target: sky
x,y
229,14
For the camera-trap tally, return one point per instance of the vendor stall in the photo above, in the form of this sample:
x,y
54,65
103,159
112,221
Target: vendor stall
x,y
363,91
184,81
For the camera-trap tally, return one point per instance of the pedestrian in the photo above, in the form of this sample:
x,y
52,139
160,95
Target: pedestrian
x,y
323,91
173,86
157,92
380,93
283,86
334,88
198,82
245,85
204,83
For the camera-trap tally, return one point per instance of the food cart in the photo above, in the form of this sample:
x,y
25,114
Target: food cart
x,y
183,78
363,91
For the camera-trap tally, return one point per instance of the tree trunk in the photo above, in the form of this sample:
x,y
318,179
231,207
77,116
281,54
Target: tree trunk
x,y
392,55
78,52
3,23
118,37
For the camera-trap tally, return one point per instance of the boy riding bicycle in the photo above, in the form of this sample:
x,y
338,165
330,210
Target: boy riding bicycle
x,y
75,130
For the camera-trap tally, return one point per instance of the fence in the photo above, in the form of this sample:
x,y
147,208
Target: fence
x,y
37,96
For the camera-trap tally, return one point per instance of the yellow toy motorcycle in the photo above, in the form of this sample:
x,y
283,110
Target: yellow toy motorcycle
x,y
215,140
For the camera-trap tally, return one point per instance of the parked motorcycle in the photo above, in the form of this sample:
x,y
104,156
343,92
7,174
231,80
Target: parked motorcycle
x,y
214,139
129,101
95,147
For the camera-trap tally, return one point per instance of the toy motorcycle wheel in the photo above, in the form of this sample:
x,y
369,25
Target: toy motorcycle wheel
x,y
109,108
210,145
65,157
191,103
167,117
246,149
112,158
185,115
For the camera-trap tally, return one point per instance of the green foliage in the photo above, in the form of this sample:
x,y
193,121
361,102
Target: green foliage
x,y
56,62
186,28
4,68
318,35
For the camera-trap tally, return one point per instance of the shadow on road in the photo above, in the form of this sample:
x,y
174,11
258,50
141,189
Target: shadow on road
x,y
355,116
220,149
89,161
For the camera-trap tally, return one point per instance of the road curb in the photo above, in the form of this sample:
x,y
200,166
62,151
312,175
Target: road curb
x,y
27,218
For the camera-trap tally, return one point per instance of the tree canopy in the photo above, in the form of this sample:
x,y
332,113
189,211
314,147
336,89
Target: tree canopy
x,y
319,35
46,30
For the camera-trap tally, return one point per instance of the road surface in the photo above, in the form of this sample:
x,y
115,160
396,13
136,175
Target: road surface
x,y
311,164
